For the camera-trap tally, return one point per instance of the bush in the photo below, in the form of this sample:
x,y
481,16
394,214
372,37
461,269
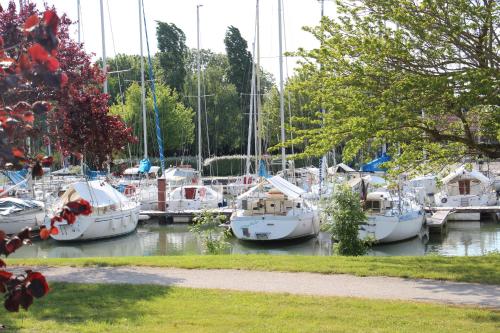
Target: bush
x,y
205,226
344,215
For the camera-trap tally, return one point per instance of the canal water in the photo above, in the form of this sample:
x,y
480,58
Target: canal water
x,y
461,238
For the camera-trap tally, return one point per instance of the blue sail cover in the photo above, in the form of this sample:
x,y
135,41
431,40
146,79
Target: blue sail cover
x,y
144,166
262,169
16,176
375,164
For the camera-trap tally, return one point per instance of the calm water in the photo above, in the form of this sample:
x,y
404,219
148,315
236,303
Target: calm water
x,y
462,238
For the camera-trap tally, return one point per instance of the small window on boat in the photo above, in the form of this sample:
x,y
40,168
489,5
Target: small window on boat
x,y
464,186
373,205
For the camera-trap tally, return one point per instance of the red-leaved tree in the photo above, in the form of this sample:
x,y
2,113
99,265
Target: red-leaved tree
x,y
43,75
79,122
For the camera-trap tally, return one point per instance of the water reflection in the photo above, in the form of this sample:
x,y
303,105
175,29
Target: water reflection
x,y
461,238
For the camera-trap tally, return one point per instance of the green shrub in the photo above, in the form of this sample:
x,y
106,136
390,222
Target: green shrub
x,y
343,216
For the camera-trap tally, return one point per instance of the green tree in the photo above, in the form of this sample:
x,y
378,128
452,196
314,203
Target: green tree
x,y
344,215
240,61
172,55
421,76
176,120
126,69
222,117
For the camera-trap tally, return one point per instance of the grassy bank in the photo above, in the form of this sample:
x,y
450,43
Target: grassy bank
x,y
118,308
484,269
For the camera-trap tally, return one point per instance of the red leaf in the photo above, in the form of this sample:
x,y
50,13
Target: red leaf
x,y
64,79
38,53
52,64
12,304
24,63
5,276
41,107
21,107
18,153
31,23
44,233
47,161
38,285
29,117
51,20
26,299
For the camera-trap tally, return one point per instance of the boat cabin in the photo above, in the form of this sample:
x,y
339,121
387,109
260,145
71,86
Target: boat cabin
x,y
194,192
274,202
378,203
464,182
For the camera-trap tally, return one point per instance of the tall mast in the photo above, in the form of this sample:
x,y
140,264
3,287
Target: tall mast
x,y
143,90
258,127
250,115
79,18
103,39
198,65
282,100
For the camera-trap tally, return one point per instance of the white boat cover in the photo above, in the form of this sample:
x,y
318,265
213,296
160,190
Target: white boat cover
x,y
341,166
97,193
282,185
287,188
462,171
135,170
374,180
12,205
176,174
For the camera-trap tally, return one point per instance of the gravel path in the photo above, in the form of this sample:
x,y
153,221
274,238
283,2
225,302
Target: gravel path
x,y
293,283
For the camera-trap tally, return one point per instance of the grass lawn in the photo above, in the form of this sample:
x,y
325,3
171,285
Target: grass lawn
x,y
143,308
482,269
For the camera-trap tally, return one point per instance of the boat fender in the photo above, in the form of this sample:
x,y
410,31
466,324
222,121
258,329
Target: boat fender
x,y
444,200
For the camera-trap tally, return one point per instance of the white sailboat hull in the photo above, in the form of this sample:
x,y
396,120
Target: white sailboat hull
x,y
186,204
12,224
97,226
269,227
484,199
386,229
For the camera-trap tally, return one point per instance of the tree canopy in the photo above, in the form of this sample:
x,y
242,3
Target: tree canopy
x,y
176,120
172,55
420,76
79,122
240,60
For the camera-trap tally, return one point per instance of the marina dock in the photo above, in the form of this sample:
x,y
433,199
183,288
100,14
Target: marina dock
x,y
437,221
186,216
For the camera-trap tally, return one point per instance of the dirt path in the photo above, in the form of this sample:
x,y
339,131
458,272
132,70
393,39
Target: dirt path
x,y
293,283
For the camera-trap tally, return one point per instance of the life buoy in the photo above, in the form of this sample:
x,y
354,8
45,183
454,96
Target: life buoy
x,y
444,200
129,190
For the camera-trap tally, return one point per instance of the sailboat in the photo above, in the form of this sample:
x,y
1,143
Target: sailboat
x,y
113,214
464,188
275,209
391,218
185,190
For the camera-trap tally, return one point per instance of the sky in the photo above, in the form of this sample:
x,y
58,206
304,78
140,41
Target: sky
x,y
122,24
